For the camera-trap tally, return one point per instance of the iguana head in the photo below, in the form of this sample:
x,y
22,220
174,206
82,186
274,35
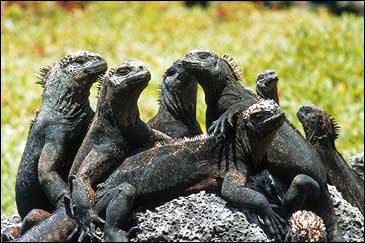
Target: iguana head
x,y
266,85
120,88
257,126
75,70
67,83
318,125
206,66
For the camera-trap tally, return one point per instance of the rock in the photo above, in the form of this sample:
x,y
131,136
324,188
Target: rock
x,y
198,217
207,217
8,224
357,164
350,219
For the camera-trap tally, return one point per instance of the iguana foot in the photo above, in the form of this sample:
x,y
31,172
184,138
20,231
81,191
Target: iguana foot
x,y
33,218
112,234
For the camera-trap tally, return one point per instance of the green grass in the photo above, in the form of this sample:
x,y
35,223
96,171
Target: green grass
x,y
319,58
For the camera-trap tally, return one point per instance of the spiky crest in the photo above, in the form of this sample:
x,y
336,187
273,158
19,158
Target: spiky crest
x,y
233,65
43,75
336,128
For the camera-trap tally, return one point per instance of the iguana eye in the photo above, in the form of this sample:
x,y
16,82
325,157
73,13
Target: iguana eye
x,y
123,71
170,72
81,60
204,56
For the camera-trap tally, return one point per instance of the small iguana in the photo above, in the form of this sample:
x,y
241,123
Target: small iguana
x,y
189,165
115,133
266,85
287,156
176,116
57,131
321,131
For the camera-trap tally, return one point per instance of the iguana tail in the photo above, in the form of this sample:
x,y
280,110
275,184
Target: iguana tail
x,y
55,228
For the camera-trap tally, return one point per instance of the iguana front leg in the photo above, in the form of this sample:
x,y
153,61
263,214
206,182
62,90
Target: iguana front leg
x,y
98,164
50,161
235,192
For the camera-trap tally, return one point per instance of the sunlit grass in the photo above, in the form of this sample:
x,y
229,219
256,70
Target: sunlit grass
x,y
319,58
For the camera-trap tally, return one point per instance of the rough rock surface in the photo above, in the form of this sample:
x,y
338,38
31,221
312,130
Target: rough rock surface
x,y
8,221
198,217
207,217
357,163
350,219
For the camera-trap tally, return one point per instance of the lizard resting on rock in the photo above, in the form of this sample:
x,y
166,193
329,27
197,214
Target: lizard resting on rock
x,y
288,156
57,131
177,113
189,165
115,133
321,131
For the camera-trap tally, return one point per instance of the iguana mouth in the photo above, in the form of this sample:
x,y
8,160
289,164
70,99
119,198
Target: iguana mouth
x,y
139,77
97,68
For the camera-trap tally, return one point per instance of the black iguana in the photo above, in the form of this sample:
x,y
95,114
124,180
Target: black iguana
x,y
321,131
287,156
57,131
177,113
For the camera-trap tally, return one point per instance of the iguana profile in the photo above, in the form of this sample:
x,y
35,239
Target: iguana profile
x,y
176,116
184,166
116,132
321,131
57,131
287,156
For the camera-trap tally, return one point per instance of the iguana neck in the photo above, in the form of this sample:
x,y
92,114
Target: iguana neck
x,y
62,97
181,103
214,86
119,110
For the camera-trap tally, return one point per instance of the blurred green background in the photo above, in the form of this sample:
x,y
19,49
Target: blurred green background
x,y
318,56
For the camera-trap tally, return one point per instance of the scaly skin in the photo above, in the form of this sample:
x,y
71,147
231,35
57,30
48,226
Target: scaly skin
x,y
288,156
57,132
321,131
176,116
184,166
266,85
115,133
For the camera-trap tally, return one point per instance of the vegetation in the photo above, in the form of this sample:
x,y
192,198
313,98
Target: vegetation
x,y
319,58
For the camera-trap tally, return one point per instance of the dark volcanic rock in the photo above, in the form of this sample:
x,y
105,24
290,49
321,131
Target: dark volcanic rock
x,y
198,217
350,219
207,217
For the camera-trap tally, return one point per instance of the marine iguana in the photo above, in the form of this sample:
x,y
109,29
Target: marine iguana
x,y
116,132
266,85
176,116
57,131
322,130
287,156
188,165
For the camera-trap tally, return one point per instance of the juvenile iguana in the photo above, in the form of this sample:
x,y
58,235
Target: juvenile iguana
x,y
287,156
266,85
57,131
116,132
184,166
177,113
321,131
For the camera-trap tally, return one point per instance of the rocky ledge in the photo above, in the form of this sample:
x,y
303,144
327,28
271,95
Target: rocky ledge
x,y
207,217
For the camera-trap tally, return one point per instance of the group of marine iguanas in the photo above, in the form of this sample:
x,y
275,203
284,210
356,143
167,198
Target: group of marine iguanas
x,y
81,170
